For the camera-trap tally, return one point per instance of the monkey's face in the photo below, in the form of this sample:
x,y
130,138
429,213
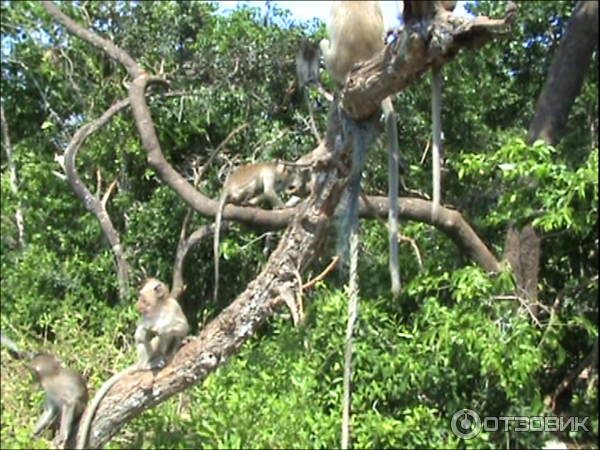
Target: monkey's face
x,y
145,303
299,183
283,172
152,292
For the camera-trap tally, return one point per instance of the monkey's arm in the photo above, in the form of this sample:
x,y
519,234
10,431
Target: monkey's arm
x,y
270,192
47,417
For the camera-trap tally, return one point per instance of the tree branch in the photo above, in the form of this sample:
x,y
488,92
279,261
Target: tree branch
x,y
418,47
14,180
93,204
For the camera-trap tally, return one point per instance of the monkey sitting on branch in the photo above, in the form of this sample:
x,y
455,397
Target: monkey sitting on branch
x,y
357,33
308,70
158,338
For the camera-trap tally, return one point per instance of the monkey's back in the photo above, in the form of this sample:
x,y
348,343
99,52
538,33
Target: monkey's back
x,y
245,181
357,31
67,387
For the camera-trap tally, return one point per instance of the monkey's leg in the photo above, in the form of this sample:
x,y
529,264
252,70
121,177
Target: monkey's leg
x,y
67,419
156,358
271,195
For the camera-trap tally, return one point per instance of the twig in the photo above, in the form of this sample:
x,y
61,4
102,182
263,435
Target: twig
x,y
323,274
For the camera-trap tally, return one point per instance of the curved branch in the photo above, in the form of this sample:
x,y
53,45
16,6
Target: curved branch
x,y
105,45
185,245
449,221
93,204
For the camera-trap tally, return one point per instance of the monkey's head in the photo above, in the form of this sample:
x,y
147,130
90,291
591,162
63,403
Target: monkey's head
x,y
44,365
310,50
150,294
299,183
283,170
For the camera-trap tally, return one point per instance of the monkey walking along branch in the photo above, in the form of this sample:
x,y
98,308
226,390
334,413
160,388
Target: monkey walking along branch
x,y
249,185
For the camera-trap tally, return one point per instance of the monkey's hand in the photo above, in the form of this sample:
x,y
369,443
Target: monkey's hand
x,y
152,332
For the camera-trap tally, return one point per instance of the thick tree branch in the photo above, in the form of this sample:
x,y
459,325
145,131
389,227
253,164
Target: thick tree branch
x,y
418,47
449,221
549,123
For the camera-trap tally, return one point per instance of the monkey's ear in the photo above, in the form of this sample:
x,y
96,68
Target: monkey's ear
x,y
160,289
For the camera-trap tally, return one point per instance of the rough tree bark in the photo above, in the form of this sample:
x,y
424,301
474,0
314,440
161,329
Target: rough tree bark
x,y
395,68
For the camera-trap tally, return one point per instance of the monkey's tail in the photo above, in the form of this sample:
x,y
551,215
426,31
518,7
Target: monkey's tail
x,y
217,233
350,331
84,429
436,115
350,218
393,165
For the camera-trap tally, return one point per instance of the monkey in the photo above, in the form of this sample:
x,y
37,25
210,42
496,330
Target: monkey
x,y
158,337
163,327
307,63
421,11
249,185
304,179
307,68
65,391
66,394
357,32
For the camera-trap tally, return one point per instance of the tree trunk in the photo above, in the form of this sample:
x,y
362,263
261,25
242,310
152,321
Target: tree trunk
x,y
566,75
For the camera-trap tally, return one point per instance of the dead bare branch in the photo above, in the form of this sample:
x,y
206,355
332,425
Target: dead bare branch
x,y
90,201
14,180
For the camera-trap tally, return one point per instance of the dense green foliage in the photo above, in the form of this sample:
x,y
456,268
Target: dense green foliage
x,y
448,344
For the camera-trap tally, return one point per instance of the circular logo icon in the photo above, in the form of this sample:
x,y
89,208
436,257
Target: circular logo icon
x,y
465,424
